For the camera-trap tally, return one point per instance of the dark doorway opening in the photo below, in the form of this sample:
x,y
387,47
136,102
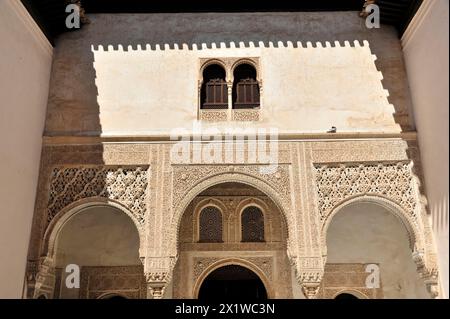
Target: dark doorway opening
x,y
232,282
345,296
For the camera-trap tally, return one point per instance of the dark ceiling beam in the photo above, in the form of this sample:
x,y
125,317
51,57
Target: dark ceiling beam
x,y
50,14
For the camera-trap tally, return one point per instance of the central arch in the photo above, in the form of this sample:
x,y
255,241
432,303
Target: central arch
x,y
240,178
243,272
264,254
232,282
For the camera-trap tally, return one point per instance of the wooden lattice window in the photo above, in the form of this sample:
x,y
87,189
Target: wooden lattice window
x,y
252,222
245,87
210,225
214,92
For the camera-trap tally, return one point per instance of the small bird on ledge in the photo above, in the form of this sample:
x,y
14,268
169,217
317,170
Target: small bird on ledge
x,y
332,130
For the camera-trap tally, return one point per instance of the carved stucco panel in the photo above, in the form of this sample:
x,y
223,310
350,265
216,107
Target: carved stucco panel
x,y
187,176
127,185
336,183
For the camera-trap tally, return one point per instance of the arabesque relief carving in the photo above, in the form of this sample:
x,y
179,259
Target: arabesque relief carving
x,y
127,185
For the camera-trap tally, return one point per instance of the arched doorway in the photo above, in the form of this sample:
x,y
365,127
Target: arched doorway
x,y
232,223
232,282
345,295
367,238
100,243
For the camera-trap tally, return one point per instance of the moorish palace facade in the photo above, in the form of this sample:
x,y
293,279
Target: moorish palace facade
x,y
188,155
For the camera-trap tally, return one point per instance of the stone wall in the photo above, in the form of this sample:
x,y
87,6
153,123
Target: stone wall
x,y
138,74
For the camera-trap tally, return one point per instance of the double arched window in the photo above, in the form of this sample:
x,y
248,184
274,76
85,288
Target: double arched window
x,y
252,223
214,90
210,225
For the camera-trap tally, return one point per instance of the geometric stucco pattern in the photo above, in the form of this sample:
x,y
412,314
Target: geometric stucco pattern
x,y
127,185
337,183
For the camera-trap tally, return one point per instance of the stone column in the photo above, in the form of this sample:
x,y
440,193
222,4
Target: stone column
x,y
230,100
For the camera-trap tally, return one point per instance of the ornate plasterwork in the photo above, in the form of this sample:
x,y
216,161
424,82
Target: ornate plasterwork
x,y
128,185
100,282
191,180
214,115
187,176
309,273
293,189
44,279
335,183
348,278
390,185
246,115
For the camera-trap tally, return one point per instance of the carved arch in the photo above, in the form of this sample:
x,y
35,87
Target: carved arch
x,y
236,177
238,262
422,256
356,293
252,62
209,62
108,295
71,210
414,236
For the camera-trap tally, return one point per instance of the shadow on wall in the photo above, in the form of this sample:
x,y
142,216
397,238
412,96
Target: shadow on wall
x,y
74,97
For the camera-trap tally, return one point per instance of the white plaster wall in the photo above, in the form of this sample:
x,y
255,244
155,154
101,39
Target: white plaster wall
x,y
425,46
98,236
131,74
367,233
24,81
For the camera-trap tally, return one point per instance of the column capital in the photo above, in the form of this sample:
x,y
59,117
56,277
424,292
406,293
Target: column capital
x,y
428,271
158,274
44,282
309,273
157,282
